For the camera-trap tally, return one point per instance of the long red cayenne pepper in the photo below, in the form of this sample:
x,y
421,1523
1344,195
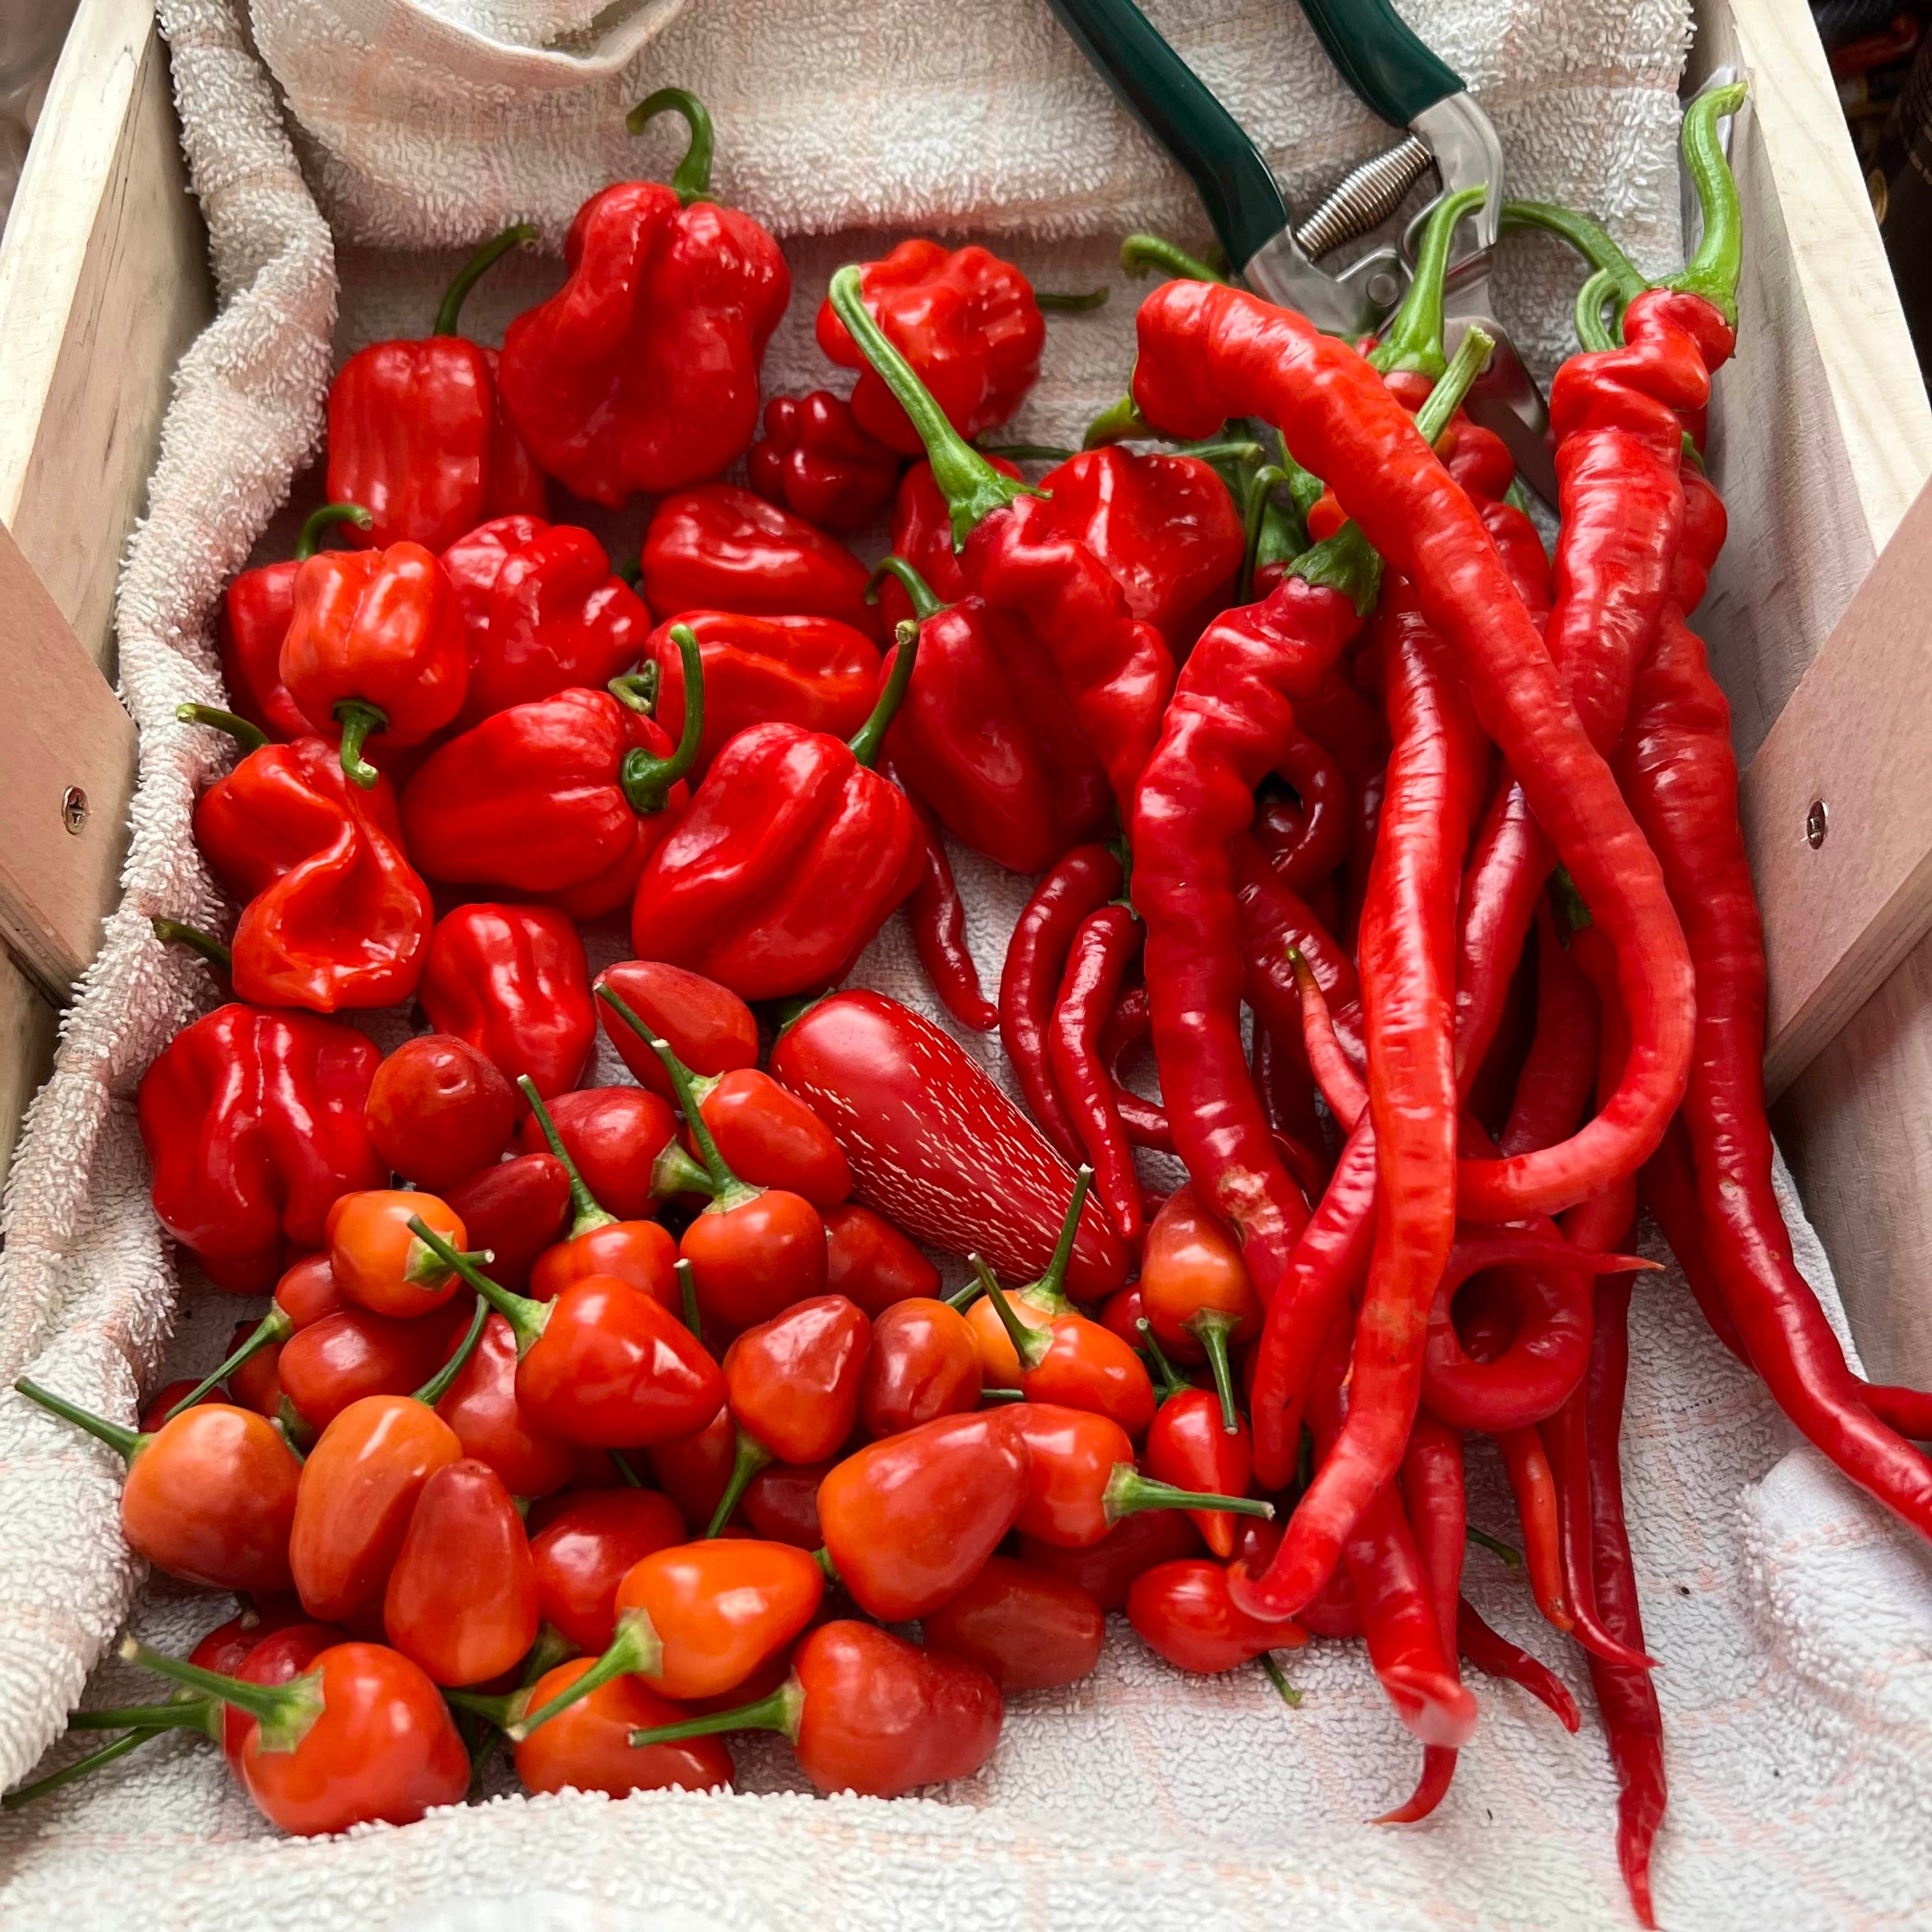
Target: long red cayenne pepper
x,y
1432,1500
1127,1027
1102,950
1495,1656
938,914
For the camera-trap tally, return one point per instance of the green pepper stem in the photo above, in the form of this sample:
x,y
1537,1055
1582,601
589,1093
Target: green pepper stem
x,y
1027,452
359,721
1471,359
637,690
1290,1696
295,1430
1050,1290
973,488
864,743
1220,452
687,1288
473,271
1591,330
178,932
692,178
925,601
675,1172
286,1712
274,1327
749,1457
628,1476
965,1297
82,1767
190,1712
587,1212
1139,252
781,1712
433,1391
1591,242
1413,339
319,522
1002,1395
1128,1490
526,1318
1212,1328
1170,1383
1261,486
250,737
635,1647
1119,422
130,1441
503,1710
1712,272
1495,1545
646,780
1066,304
1031,1344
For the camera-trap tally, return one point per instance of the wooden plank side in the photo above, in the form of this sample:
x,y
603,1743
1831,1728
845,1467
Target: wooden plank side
x,y
28,1025
103,283
66,775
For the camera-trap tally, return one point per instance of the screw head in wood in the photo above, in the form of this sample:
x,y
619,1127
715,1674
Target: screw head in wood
x,y
73,809
1817,823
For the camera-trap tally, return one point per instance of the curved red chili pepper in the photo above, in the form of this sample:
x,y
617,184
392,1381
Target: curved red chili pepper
x,y
1305,841
1130,1026
1103,948
938,916
1496,1657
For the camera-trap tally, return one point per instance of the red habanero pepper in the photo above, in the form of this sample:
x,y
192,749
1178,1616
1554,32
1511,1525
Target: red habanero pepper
x,y
324,1367
712,1030
924,1364
1115,671
817,462
254,620
641,372
922,532
869,1262
438,1110
1183,1612
567,797
1200,1298
588,1548
818,672
937,915
620,1146
790,855
512,981
1027,1629
252,1123
965,321
916,1116
867,1711
416,429
542,613
516,1209
1104,946
717,547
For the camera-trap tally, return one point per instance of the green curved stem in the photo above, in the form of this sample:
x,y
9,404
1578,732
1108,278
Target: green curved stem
x,y
925,601
473,271
1413,340
1712,272
781,1712
687,1289
963,1298
1031,1344
178,932
187,1710
635,1648
82,1767
692,178
1591,242
433,1391
647,780
1211,1327
1002,1395
1128,1490
748,1459
1452,386
973,488
1495,1545
1220,452
1260,487
1171,1382
865,743
130,1441
526,1318
1049,1291
318,522
587,1212
1591,330
1121,422
1288,1694
274,1327
1139,252
286,1712
637,690
250,737
1066,305
360,721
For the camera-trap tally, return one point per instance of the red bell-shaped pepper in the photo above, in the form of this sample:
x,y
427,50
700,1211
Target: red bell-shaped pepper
x,y
965,320
543,613
815,459
641,372
253,621
567,797
717,547
252,1123
922,534
415,432
815,672
375,645
513,981
788,858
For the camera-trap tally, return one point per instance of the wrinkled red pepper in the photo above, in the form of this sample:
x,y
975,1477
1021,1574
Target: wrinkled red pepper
x,y
817,461
417,434
641,372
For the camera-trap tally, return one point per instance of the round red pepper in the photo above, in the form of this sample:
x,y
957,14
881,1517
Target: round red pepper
x,y
815,460
1027,1629
438,1110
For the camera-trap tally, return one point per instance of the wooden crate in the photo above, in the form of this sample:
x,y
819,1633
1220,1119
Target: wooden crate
x,y
1822,440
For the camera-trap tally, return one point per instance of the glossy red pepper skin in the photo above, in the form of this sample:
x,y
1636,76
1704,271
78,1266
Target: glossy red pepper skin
x,y
542,612
780,1503
1183,1612
909,1521
1106,945
693,1470
516,1209
922,530
344,1357
751,1258
438,1110
378,1263
1187,1446
641,372
1106,1569
924,1364
1071,1453
717,547
613,1135
709,1028
1026,1629
587,1549
155,1411
815,460
789,858
532,799
253,1125
869,1262
254,620
936,914
915,1115
818,672
481,1407
965,320
512,981
639,1252
588,1748
770,1138
793,1382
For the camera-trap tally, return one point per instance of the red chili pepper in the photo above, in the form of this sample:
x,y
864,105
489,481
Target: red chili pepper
x,y
375,648
1496,1657
351,1354
966,321
641,372
184,1392
361,1737
461,1599
870,1262
1306,839
817,673
693,1470
416,432
922,532
542,612
793,1382
924,1364
209,1495
438,1110
621,1145
1106,1569
867,1711
515,1209
588,1548
1188,1446
817,461
1183,1612
1128,1027
780,1503
481,1407
1106,944
1535,1492
1197,1295
512,981
909,1522
717,547
252,1123
378,1264
1027,1629
1276,922
588,1748
938,918
712,1031
916,1116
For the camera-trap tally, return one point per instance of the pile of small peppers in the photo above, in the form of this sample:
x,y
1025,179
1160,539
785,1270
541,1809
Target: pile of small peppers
x,y
608,1421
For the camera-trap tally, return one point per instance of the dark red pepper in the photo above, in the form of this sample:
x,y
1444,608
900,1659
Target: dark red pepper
x,y
816,460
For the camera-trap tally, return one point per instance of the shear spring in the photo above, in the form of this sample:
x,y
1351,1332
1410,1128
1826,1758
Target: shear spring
x,y
1364,198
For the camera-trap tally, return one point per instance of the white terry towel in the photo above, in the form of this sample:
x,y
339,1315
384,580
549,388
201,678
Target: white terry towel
x,y
1792,1619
